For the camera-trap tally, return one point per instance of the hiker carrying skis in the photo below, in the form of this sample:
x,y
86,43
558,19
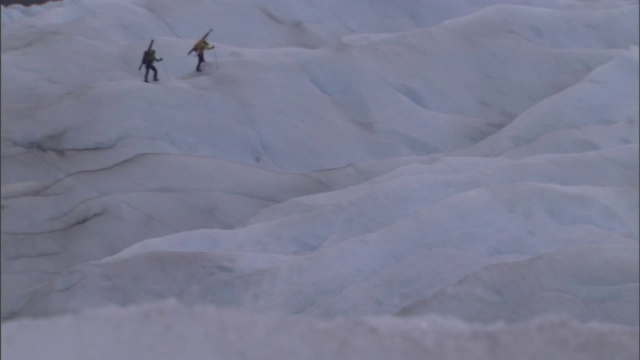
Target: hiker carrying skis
x,y
200,47
149,58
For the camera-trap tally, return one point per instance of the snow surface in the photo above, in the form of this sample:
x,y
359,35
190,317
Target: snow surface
x,y
170,331
379,162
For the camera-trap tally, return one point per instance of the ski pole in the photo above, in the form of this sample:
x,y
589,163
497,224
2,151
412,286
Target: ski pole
x,y
165,71
215,57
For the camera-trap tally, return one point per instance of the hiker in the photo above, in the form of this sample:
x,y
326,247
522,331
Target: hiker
x,y
149,58
200,47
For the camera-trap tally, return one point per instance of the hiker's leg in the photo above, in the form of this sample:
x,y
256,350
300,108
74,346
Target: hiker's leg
x,y
200,61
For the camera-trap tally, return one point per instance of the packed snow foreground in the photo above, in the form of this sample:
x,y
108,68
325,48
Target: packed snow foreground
x,y
344,180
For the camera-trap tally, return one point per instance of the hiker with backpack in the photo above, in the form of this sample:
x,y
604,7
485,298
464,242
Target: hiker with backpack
x,y
148,60
200,47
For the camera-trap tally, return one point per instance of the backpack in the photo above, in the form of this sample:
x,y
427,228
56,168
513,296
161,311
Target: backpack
x,y
200,45
147,58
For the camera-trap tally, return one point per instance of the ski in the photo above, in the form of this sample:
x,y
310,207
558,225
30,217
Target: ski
x,y
207,34
144,54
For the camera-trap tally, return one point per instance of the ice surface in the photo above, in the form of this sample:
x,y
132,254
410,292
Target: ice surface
x,y
371,160
170,331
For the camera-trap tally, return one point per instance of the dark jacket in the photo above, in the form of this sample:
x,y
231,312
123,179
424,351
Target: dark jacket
x,y
150,57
